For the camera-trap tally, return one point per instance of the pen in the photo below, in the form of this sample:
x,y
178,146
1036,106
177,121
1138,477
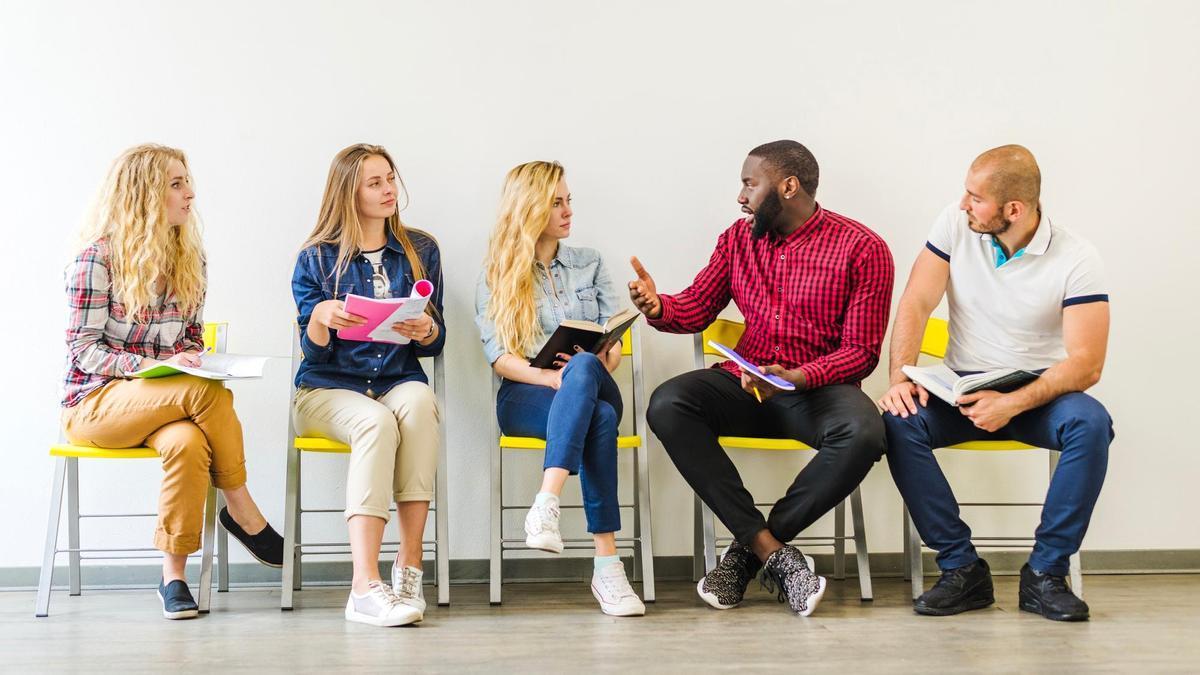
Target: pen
x,y
756,394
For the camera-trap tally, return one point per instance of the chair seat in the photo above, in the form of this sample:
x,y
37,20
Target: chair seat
x,y
762,443
91,452
317,444
526,443
992,445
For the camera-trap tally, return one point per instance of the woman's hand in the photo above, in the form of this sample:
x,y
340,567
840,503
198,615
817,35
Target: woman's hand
x,y
333,314
552,378
419,329
187,359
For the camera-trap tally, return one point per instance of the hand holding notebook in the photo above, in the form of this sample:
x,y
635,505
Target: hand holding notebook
x,y
748,367
381,314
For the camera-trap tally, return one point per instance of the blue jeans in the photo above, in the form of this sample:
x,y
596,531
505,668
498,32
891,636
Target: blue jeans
x,y
1075,424
579,424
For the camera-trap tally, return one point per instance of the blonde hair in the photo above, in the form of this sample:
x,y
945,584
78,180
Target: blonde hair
x,y
525,205
130,218
338,221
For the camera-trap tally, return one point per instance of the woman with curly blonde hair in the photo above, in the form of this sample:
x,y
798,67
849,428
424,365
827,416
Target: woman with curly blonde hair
x,y
531,283
135,294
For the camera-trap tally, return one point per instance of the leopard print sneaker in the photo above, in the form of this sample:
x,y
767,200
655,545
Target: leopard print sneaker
x,y
788,573
725,586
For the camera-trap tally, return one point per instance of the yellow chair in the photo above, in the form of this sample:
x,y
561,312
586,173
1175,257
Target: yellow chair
x,y
705,539
933,343
294,511
66,471
640,542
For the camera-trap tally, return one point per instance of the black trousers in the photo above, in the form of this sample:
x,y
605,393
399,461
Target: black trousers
x,y
690,411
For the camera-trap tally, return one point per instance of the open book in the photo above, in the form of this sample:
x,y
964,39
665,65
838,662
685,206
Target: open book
x,y
948,386
212,367
747,366
588,335
381,314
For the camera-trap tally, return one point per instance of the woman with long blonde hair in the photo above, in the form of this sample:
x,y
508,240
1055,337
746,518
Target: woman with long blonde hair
x,y
135,294
531,283
373,396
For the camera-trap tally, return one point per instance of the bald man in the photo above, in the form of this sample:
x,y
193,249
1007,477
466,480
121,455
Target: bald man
x,y
1023,293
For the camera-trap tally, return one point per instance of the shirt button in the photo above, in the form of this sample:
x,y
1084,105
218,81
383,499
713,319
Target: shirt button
x,y
776,347
780,289
776,317
782,256
374,369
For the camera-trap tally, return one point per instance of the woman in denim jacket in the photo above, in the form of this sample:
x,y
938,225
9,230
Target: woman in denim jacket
x,y
373,396
531,282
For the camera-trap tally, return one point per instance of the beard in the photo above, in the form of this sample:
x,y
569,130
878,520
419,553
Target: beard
x,y
766,216
995,227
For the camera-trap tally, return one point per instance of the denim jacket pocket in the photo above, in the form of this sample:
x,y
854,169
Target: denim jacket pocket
x,y
589,307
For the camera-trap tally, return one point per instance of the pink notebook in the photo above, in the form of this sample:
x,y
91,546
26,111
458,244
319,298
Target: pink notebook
x,y
381,314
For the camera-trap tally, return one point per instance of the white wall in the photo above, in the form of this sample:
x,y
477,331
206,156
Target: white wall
x,y
652,109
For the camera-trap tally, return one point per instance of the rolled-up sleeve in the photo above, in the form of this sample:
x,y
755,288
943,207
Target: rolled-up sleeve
x,y
492,349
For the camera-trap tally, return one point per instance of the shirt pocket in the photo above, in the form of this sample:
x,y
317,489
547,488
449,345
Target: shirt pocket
x,y
589,306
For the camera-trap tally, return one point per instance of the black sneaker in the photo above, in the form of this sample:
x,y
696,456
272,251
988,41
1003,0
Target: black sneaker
x,y
177,600
1048,595
725,586
788,572
266,546
959,590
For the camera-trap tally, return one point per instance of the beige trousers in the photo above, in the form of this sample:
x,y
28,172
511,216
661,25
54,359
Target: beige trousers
x,y
394,442
190,422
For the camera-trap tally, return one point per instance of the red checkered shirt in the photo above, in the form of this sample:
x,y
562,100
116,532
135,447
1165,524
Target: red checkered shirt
x,y
817,300
101,346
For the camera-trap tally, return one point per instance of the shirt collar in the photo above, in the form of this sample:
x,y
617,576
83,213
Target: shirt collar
x,y
1041,237
801,233
394,243
563,257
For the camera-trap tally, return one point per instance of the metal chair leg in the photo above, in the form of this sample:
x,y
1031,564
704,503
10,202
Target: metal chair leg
x,y
710,538
915,562
907,561
698,558
76,587
291,518
1077,575
206,555
441,523
860,547
496,549
644,525
42,608
222,549
839,541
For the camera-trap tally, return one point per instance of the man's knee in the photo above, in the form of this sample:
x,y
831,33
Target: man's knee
x,y
860,433
665,405
902,433
1084,415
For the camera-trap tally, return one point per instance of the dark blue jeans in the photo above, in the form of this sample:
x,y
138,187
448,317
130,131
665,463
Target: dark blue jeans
x,y
1075,424
579,424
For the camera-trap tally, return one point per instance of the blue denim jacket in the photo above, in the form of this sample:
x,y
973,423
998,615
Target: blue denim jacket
x,y
370,368
585,292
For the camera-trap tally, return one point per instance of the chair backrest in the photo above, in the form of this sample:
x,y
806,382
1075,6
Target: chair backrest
x,y
937,336
724,331
216,333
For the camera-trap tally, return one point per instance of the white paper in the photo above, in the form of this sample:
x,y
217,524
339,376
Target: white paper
x,y
219,367
413,307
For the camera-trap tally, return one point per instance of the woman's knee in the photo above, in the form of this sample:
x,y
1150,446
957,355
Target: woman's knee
x,y
605,419
181,441
584,362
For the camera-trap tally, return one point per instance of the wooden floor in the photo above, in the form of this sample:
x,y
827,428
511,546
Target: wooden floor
x,y
1139,623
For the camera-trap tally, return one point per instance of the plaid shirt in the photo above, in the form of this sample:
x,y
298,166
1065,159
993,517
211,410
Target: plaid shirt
x,y
101,346
817,300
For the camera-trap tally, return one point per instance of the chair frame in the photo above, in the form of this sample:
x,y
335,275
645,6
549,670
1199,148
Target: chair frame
x,y
704,536
293,544
640,543
933,344
65,481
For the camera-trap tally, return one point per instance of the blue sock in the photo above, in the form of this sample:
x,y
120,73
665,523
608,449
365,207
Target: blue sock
x,y
602,561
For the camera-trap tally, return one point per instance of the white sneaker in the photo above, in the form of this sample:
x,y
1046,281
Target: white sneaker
x,y
612,589
406,586
541,527
379,607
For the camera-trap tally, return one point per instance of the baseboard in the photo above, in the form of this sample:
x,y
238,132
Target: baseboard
x,y
666,568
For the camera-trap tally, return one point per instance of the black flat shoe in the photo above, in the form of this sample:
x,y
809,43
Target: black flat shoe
x,y
177,600
266,546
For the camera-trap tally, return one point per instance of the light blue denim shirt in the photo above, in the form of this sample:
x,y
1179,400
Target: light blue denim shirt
x,y
581,290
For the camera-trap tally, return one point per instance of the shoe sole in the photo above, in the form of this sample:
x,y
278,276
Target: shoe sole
x,y
1036,608
184,614
539,545
957,609
711,598
359,617
604,607
815,598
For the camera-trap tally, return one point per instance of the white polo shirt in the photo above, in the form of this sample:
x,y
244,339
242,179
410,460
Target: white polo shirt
x,y
1011,316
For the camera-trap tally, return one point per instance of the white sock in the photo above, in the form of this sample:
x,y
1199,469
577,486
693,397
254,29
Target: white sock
x,y
544,498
